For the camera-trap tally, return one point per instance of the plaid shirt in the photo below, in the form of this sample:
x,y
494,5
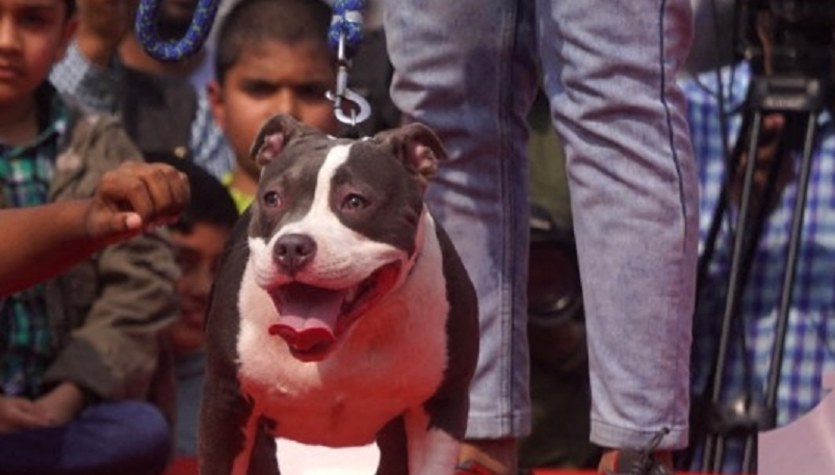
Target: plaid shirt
x,y
810,338
98,87
25,175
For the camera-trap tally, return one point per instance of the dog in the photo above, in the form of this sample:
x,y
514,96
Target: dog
x,y
341,313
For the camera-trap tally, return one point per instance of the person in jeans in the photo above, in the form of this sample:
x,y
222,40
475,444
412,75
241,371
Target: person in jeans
x,y
470,70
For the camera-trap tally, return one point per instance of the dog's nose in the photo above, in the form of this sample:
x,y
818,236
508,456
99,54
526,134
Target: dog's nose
x,y
294,251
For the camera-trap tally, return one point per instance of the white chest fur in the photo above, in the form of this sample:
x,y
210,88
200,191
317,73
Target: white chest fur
x,y
393,359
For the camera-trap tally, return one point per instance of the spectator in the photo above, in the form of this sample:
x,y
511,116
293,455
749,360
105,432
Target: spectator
x,y
199,237
272,57
560,397
107,70
77,353
808,352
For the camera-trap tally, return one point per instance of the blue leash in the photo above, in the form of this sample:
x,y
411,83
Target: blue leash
x,y
346,25
344,36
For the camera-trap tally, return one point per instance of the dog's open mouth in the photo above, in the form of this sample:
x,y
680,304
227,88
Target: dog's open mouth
x,y
311,318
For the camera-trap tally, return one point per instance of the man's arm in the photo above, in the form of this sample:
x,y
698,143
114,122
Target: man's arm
x,y
45,240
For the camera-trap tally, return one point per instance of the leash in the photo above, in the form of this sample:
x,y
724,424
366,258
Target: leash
x,y
344,37
172,50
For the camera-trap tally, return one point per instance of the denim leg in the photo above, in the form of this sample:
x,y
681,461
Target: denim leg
x,y
125,438
467,70
609,70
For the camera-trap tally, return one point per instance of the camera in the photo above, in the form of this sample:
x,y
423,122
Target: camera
x,y
799,34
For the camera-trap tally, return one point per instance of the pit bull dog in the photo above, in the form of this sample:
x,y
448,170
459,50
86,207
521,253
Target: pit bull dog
x,y
341,313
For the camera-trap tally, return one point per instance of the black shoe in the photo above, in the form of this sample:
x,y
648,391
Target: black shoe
x,y
641,462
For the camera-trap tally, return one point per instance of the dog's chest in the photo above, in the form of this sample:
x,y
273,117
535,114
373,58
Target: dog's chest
x,y
393,360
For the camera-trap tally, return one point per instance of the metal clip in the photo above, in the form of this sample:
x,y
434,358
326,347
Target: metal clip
x,y
361,109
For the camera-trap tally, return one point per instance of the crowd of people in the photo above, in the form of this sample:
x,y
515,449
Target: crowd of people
x,y
122,176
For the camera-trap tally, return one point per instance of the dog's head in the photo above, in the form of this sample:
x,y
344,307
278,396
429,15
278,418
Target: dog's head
x,y
336,225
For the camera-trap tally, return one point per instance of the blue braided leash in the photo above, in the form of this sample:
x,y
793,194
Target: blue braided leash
x,y
172,50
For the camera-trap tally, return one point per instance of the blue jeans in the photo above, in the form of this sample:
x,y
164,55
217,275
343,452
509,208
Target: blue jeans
x,y
470,70
125,438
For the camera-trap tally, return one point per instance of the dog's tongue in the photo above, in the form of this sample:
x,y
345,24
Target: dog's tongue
x,y
307,315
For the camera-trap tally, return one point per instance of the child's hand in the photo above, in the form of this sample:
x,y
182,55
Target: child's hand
x,y
102,25
60,405
19,414
136,196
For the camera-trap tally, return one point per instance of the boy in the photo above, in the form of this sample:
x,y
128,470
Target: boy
x,y
272,57
77,354
199,237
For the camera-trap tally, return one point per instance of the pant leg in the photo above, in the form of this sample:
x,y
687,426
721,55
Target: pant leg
x,y
467,70
609,70
125,438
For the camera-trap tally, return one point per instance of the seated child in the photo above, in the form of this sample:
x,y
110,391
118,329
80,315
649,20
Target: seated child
x,y
199,237
78,352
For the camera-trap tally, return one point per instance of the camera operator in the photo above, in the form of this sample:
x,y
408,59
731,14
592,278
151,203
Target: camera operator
x,y
560,393
810,337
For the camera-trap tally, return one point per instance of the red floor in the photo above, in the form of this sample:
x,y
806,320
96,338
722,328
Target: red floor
x,y
189,467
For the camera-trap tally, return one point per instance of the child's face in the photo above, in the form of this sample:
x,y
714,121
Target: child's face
x,y
34,34
270,78
198,254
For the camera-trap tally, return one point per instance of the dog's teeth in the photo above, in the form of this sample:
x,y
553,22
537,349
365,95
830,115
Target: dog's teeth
x,y
351,295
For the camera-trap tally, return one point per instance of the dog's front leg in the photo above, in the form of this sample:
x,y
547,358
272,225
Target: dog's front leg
x,y
257,456
391,440
224,436
431,450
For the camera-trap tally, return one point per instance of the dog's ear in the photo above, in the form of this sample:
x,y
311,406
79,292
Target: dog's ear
x,y
276,132
418,147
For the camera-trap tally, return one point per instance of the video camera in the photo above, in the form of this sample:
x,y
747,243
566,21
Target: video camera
x,y
800,34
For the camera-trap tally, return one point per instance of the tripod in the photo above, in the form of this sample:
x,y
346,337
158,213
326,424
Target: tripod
x,y
799,86
802,100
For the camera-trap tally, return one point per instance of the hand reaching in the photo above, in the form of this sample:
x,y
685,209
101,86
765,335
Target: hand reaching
x,y
102,25
136,196
133,198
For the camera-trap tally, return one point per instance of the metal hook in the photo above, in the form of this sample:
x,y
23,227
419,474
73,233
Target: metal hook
x,y
357,114
363,109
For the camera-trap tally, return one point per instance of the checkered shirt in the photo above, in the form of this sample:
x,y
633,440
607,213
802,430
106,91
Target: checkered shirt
x,y
810,338
25,175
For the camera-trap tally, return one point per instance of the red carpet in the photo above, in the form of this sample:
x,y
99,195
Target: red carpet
x,y
188,466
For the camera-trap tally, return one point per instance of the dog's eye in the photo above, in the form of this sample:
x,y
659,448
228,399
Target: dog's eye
x,y
354,201
272,199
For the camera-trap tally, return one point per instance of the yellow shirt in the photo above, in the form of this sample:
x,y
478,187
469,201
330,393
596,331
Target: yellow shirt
x,y
242,200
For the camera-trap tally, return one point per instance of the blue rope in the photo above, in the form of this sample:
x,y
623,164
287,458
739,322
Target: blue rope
x,y
172,50
347,21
